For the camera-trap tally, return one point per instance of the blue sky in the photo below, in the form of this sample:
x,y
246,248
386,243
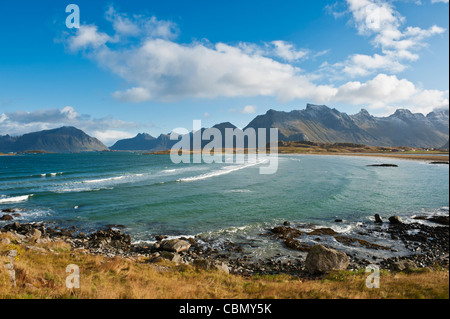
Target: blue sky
x,y
152,66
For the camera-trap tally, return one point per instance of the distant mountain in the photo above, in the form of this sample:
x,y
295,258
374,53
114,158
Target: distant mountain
x,y
140,142
60,140
319,123
146,142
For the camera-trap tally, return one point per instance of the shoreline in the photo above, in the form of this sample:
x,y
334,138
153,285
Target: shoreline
x,y
36,259
419,157
439,157
427,245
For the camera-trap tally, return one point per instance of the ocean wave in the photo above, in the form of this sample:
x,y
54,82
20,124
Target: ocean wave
x,y
238,191
16,199
102,180
81,189
223,171
50,174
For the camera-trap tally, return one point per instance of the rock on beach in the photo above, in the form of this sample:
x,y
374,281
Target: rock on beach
x,y
322,260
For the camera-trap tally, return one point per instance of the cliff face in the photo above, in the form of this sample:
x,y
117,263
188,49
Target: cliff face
x,y
64,139
321,124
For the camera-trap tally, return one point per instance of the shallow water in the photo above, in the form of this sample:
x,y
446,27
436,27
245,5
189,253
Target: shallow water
x,y
150,195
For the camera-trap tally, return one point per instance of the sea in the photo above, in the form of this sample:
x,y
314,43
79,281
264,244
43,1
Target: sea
x,y
149,195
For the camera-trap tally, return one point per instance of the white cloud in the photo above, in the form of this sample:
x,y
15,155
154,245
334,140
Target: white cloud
x,y
136,95
106,129
88,36
437,1
137,25
160,69
386,92
249,109
287,52
109,137
398,46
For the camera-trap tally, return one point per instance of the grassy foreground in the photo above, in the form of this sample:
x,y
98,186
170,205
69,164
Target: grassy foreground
x,y
41,273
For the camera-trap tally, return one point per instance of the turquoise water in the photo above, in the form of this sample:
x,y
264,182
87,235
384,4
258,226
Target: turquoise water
x,y
150,195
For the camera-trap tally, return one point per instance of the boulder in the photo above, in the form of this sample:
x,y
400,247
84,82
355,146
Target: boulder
x,y
6,217
378,219
322,260
382,165
395,220
403,265
207,264
36,234
171,256
110,238
443,220
175,245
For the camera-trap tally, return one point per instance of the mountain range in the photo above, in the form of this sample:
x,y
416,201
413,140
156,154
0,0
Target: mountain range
x,y
317,123
320,123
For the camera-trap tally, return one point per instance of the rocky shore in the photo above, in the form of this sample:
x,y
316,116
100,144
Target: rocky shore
x,y
427,246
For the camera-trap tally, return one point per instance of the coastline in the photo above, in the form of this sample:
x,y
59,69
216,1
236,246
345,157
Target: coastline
x,y
427,248
421,156
426,244
183,268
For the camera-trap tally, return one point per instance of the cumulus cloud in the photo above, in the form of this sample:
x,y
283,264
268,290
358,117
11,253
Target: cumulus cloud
x,y
160,69
287,51
249,109
88,36
388,93
398,45
106,129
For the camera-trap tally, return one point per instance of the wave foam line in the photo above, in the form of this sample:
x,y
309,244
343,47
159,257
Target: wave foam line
x,y
51,174
224,171
16,199
101,180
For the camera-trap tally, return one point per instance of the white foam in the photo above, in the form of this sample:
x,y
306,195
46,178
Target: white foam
x,y
109,179
169,171
50,174
16,199
102,180
238,191
223,171
81,189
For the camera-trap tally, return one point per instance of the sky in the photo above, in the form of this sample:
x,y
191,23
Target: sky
x,y
153,66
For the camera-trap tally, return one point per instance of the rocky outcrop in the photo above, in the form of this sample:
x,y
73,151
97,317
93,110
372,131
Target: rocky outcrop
x,y
383,165
320,123
207,264
395,220
322,260
378,219
175,245
109,238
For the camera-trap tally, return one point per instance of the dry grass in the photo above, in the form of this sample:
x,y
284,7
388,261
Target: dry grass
x,y
43,275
